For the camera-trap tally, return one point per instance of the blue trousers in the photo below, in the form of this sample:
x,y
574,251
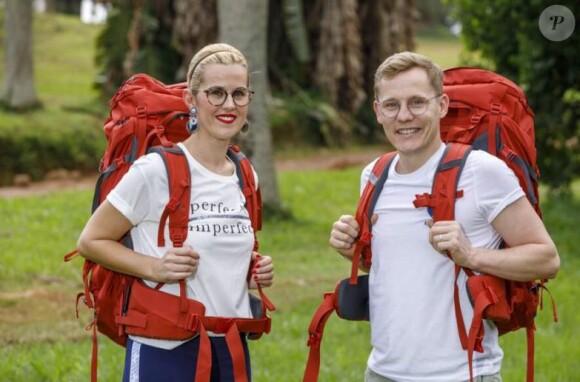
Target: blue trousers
x,y
145,363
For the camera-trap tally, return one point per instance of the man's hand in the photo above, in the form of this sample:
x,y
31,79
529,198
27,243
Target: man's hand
x,y
447,237
343,235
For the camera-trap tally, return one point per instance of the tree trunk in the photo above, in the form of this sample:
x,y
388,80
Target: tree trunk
x,y
18,91
388,27
243,24
194,26
339,63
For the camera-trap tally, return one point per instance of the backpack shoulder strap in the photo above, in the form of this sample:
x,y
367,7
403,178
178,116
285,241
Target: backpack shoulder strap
x,y
441,206
441,201
364,212
253,197
177,209
365,208
248,185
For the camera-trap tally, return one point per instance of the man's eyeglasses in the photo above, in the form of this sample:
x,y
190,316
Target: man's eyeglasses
x,y
217,96
416,106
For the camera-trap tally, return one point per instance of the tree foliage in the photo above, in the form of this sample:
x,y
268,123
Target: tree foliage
x,y
322,54
137,38
504,36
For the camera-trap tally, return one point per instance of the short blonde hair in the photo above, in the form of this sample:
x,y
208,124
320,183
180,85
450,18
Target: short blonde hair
x,y
212,54
400,62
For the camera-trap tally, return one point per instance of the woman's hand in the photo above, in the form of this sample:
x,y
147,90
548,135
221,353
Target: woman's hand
x,y
262,273
176,264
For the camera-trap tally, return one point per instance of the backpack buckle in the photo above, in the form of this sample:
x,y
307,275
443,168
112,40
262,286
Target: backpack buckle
x,y
141,111
172,205
476,118
192,323
495,108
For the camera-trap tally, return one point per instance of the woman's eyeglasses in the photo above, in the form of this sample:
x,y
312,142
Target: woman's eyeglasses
x,y
217,96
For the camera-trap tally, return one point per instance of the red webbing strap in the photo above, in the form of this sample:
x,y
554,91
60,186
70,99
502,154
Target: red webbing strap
x,y
530,339
140,128
203,368
266,303
495,110
221,325
365,209
95,353
232,328
237,353
542,289
71,255
476,331
458,316
315,332
87,269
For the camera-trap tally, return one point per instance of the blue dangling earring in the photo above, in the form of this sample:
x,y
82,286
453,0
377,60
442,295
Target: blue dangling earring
x,y
191,125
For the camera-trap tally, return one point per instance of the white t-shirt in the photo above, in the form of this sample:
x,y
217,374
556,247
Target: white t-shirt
x,y
413,326
219,230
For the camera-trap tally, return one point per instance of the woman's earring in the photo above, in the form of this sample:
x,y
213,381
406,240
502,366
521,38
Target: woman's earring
x,y
191,125
245,127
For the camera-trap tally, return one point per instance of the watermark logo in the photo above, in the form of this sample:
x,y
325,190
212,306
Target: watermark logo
x,y
557,23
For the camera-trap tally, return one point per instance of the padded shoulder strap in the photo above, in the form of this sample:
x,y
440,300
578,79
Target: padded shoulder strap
x,y
177,209
441,201
365,208
248,185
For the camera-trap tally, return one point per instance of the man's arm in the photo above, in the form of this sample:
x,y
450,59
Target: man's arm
x,y
531,253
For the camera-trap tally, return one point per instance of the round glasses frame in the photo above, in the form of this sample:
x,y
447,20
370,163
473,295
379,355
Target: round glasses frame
x,y
244,102
394,113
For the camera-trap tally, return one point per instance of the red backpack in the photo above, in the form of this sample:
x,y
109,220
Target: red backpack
x,y
149,116
486,112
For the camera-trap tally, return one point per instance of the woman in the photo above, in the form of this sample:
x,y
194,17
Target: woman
x,y
217,253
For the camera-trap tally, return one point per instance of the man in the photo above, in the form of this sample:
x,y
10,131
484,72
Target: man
x,y
413,324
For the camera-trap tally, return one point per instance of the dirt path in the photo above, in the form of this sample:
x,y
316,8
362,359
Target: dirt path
x,y
72,181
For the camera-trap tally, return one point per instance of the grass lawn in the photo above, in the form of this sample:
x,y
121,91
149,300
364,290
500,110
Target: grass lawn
x,y
43,341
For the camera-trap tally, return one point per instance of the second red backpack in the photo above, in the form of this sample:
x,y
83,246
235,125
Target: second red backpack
x,y
486,112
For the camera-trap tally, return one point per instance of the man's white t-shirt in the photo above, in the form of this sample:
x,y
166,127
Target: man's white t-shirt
x,y
413,326
219,230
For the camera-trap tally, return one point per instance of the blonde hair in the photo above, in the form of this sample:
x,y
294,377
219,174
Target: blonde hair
x,y
219,53
400,62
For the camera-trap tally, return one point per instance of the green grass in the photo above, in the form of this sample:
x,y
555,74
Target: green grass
x,y
441,46
69,123
43,341
64,69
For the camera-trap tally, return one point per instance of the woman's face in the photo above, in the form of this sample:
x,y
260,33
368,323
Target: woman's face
x,y
221,120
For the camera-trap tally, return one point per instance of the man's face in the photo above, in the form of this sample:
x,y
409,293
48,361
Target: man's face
x,y
414,129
